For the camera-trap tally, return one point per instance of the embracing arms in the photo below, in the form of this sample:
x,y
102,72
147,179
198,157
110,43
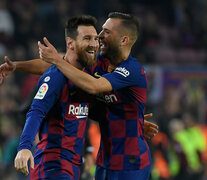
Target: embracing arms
x,y
83,80
35,66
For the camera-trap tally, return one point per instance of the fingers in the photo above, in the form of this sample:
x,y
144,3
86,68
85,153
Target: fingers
x,y
150,130
152,125
24,170
149,135
153,131
47,52
7,60
31,162
21,166
41,46
40,49
1,79
47,42
147,116
20,162
11,65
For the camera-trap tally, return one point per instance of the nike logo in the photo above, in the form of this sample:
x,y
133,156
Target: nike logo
x,y
72,93
97,75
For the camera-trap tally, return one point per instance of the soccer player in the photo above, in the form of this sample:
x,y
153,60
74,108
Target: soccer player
x,y
124,153
60,111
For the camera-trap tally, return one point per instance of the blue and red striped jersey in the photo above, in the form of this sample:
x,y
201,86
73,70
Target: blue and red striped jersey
x,y
121,116
59,112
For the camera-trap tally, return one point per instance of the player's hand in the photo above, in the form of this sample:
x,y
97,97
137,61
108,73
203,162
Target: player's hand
x,y
6,68
150,129
48,53
20,162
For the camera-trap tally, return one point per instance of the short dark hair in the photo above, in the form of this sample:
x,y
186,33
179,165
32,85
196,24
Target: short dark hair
x,y
73,23
129,21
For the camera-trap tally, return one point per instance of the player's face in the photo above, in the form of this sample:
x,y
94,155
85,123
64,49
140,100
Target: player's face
x,y
87,45
110,38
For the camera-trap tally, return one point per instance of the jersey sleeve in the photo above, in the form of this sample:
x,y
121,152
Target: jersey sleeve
x,y
50,86
126,74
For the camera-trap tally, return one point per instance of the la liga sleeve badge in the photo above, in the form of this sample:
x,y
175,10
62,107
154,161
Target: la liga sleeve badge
x,y
42,91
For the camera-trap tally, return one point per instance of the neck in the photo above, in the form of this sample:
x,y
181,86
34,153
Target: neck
x,y
115,61
71,58
126,54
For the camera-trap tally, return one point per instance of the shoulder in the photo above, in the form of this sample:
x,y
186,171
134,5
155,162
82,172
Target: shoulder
x,y
51,82
130,66
132,62
53,75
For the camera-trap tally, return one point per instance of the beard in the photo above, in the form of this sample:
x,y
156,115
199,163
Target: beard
x,y
84,59
112,52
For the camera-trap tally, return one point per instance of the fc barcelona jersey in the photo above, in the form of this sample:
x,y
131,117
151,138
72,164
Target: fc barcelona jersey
x,y
121,116
59,113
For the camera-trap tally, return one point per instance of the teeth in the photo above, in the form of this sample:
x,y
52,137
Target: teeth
x,y
90,51
102,45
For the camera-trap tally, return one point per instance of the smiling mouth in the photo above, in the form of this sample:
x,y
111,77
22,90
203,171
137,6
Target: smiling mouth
x,y
102,46
91,52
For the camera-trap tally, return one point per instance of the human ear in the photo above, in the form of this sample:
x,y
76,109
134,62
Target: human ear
x,y
70,43
125,40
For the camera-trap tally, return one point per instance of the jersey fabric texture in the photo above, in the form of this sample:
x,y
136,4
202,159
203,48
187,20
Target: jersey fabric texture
x,y
59,112
103,174
121,116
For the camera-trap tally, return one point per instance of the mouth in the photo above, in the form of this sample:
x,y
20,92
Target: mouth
x,y
102,46
91,53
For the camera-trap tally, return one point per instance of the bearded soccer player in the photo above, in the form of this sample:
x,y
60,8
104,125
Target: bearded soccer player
x,y
124,153
60,111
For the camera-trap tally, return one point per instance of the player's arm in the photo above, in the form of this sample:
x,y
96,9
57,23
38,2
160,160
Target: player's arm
x,y
83,80
41,105
35,66
33,121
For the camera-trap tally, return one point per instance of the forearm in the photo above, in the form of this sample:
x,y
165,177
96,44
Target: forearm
x,y
83,80
35,66
34,119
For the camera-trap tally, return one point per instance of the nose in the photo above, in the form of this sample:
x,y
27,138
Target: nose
x,y
94,43
100,35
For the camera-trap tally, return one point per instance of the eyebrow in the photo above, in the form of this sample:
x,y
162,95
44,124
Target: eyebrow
x,y
87,35
106,29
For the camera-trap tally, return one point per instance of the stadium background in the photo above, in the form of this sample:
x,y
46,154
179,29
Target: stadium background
x,y
172,46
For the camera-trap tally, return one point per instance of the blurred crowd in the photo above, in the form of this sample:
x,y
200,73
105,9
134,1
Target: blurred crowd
x,y
172,46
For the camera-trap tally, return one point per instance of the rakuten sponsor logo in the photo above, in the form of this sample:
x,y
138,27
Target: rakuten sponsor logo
x,y
79,111
122,71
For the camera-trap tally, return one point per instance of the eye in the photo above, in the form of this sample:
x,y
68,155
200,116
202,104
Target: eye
x,y
106,31
87,38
